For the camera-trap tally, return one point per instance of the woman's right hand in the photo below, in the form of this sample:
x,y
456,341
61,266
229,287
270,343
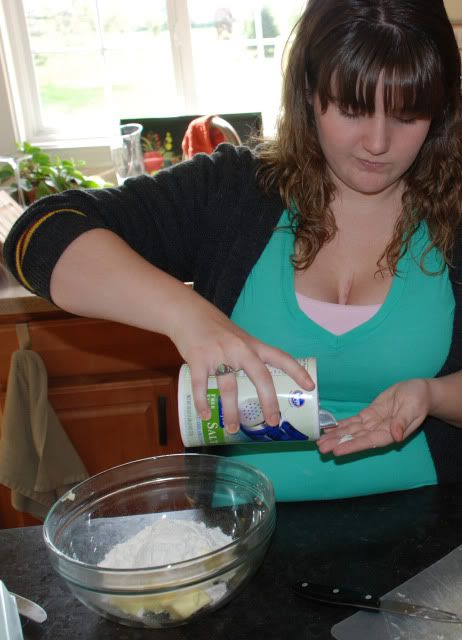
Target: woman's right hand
x,y
100,276
206,338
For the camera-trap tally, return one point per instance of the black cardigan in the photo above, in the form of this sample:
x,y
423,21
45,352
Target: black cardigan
x,y
203,221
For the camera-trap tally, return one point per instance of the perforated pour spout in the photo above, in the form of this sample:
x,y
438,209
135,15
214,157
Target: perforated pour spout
x,y
326,419
250,413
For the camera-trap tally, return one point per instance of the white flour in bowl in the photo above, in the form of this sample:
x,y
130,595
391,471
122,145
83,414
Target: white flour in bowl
x,y
166,541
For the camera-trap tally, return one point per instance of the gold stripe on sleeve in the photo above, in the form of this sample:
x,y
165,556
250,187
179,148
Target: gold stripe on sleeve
x,y
24,241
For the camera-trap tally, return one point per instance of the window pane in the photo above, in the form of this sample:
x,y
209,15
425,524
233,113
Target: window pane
x,y
97,61
138,56
134,22
237,52
71,91
143,82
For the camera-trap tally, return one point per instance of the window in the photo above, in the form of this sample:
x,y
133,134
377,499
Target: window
x,y
74,68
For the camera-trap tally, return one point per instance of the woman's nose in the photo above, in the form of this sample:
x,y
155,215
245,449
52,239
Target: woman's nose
x,y
376,138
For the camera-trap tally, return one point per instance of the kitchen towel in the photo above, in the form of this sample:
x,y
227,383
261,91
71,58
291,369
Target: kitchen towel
x,y
201,136
37,460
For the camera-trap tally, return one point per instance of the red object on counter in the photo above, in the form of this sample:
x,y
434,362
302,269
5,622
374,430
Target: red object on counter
x,y
153,161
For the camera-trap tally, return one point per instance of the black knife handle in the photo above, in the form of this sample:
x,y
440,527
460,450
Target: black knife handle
x,y
336,595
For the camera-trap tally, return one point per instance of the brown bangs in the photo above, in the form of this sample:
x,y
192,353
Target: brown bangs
x,y
411,70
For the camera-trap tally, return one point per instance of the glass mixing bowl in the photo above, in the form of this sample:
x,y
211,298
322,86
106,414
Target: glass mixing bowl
x,y
111,507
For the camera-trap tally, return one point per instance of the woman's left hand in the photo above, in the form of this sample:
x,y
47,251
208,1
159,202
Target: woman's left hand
x,y
391,417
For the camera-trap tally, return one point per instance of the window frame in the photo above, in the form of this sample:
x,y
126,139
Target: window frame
x,y
23,96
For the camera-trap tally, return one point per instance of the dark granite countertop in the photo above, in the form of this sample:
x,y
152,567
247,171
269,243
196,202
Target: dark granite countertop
x,y
374,543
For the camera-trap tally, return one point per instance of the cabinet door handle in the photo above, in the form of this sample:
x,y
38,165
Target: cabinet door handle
x,y
162,419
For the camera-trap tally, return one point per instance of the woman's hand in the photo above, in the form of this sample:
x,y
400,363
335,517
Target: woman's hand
x,y
100,276
206,337
392,417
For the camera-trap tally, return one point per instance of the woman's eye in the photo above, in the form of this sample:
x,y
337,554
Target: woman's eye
x,y
350,114
404,119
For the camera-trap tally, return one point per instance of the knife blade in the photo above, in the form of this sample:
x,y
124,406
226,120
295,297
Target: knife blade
x,y
29,609
363,600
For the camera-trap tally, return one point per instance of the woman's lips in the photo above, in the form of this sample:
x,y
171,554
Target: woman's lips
x,y
372,166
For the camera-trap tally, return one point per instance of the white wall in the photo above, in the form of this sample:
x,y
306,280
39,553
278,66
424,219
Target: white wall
x,y
454,9
7,137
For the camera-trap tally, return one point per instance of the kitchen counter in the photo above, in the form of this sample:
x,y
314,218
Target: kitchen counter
x,y
375,543
17,304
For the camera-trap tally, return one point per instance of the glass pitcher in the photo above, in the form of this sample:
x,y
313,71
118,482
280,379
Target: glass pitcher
x,y
127,154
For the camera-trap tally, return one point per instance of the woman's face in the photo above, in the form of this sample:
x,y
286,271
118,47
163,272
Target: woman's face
x,y
368,153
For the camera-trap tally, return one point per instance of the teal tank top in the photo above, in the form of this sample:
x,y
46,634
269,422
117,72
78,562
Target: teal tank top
x,y
408,337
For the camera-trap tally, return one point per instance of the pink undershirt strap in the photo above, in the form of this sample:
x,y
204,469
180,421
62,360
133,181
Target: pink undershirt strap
x,y
336,318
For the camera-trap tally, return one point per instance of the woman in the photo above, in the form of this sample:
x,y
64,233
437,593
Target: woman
x,y
339,239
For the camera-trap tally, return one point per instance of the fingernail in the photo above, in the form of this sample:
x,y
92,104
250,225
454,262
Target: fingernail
x,y
232,428
274,420
206,415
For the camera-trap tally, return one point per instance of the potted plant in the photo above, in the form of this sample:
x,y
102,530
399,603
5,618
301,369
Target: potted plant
x,y
40,174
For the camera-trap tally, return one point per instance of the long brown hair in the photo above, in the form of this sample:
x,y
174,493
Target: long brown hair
x,y
352,42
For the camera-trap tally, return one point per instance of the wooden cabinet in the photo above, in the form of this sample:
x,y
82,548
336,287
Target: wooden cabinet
x,y
113,387
117,418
